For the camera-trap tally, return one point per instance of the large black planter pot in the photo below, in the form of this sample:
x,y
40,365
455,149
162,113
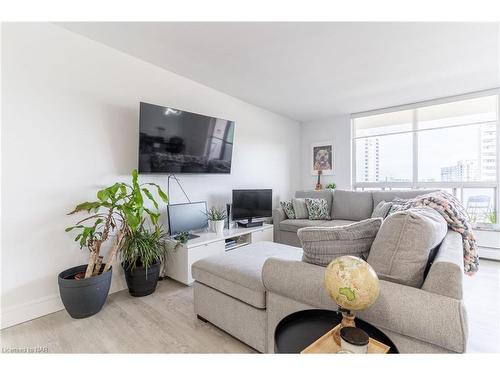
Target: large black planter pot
x,y
141,282
85,297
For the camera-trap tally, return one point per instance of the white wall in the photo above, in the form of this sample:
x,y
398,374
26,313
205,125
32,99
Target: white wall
x,y
70,126
338,130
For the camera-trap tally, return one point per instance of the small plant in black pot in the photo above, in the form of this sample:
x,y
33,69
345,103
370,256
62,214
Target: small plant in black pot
x,y
142,251
118,211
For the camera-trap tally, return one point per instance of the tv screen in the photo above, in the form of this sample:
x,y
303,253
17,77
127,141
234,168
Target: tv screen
x,y
175,141
248,204
186,217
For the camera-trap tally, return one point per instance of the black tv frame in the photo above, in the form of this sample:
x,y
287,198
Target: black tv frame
x,y
183,173
250,222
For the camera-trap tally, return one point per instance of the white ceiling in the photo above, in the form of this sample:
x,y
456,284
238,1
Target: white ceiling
x,y
309,71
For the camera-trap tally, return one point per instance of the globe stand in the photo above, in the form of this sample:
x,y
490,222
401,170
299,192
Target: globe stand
x,y
347,321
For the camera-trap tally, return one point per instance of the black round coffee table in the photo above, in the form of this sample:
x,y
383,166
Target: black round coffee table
x,y
297,331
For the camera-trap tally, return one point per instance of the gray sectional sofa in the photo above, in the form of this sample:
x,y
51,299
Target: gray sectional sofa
x,y
246,292
345,206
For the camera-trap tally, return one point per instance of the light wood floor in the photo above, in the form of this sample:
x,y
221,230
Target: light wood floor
x,y
164,322
482,299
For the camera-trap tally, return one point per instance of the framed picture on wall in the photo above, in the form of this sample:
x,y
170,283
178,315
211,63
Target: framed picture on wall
x,y
322,158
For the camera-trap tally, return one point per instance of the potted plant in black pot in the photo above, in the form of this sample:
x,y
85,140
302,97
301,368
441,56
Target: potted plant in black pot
x,y
119,210
141,254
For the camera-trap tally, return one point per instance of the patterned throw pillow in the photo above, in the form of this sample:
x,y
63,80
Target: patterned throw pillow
x,y
288,208
300,208
317,208
397,205
382,209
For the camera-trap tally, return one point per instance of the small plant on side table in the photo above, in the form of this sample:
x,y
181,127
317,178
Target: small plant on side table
x,y
216,218
331,185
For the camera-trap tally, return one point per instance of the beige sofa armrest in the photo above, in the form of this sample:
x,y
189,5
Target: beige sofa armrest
x,y
278,216
445,276
298,280
412,312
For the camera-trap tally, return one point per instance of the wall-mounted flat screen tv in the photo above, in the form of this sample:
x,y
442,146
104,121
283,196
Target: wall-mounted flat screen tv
x,y
175,141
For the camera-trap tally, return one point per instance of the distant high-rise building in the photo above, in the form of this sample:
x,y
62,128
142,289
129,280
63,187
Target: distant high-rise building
x,y
482,169
371,160
464,170
487,152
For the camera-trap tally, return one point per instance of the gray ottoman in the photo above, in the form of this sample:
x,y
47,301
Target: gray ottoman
x,y
229,293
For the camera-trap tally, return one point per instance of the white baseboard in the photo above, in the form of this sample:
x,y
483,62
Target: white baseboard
x,y
24,312
489,253
30,310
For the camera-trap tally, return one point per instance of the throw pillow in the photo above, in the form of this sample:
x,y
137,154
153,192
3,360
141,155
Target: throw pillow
x,y
321,245
317,194
300,208
397,205
403,245
382,209
288,208
318,209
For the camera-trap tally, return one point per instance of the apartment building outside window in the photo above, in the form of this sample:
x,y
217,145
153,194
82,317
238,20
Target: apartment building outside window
x,y
446,144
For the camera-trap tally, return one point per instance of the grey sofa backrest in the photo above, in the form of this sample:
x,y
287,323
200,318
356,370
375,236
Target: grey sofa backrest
x,y
325,194
352,205
389,195
357,205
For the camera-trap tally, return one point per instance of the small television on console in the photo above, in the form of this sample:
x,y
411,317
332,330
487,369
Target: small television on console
x,y
176,141
249,204
187,217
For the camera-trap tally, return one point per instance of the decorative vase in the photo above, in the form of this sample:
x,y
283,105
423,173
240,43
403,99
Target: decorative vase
x,y
217,226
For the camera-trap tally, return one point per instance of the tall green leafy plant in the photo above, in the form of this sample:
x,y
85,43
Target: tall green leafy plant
x,y
119,208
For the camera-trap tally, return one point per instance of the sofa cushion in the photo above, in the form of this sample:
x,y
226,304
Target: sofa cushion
x,y
403,244
317,194
317,209
321,245
292,225
287,207
390,195
336,223
300,208
238,273
382,209
352,205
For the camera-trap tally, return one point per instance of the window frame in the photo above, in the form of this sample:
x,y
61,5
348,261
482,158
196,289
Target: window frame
x,y
415,184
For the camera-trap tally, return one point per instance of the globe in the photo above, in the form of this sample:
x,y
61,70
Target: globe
x,y
352,283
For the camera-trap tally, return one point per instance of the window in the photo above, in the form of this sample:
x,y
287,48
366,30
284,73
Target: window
x,y
451,146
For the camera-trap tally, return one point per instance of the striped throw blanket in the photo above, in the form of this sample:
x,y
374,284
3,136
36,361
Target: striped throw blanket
x,y
456,217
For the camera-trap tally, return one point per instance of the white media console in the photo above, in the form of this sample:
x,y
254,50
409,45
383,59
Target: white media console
x,y
179,261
